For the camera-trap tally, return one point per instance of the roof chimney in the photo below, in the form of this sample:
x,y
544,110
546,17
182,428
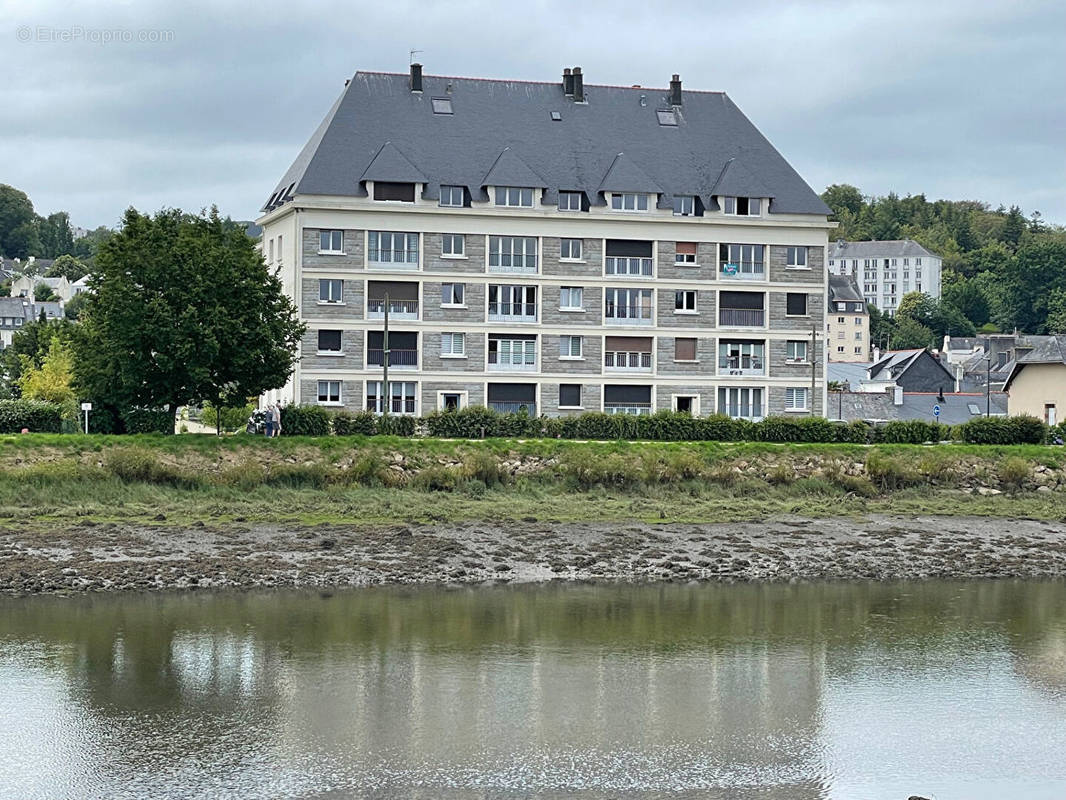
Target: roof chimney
x,y
675,90
568,82
897,395
416,77
579,85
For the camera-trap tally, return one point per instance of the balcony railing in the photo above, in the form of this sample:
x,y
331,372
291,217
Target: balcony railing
x,y
752,411
628,265
512,312
398,309
637,409
628,315
392,259
514,408
742,365
618,360
513,363
742,271
517,266
741,317
401,359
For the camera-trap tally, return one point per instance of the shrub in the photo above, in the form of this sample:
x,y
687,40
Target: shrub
x,y
1022,429
1013,472
245,475
891,472
140,465
36,415
484,466
437,479
234,418
590,469
147,420
855,432
721,428
472,422
371,470
394,425
304,421
346,423
795,429
912,431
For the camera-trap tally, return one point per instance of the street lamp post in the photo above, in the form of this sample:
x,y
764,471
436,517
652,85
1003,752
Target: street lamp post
x,y
988,386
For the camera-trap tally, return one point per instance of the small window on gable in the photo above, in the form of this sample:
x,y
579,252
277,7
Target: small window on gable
x,y
452,196
742,206
667,118
570,201
394,192
442,105
684,205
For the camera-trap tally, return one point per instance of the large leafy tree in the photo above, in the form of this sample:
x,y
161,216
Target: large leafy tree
x,y
32,341
57,238
1027,282
51,380
66,266
19,237
183,311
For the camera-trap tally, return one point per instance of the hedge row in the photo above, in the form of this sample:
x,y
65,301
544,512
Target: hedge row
x,y
35,416
317,421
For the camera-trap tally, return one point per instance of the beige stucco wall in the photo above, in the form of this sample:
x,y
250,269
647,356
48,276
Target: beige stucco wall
x,y
1036,386
848,341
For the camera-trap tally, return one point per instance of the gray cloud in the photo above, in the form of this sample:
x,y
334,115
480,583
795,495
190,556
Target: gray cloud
x,y
955,99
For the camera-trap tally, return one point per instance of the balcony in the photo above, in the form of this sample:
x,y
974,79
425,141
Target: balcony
x,y
618,361
514,408
636,409
512,312
628,315
742,271
741,365
516,267
395,259
741,317
398,309
398,359
513,363
628,266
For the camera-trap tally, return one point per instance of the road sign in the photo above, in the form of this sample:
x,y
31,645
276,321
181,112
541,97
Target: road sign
x,y
86,406
936,411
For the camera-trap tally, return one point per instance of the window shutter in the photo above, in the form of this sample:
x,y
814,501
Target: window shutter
x,y
686,248
684,349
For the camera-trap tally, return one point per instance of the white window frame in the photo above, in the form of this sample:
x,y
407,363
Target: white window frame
x,y
794,346
515,196
569,292
335,237
568,344
507,249
685,200
464,400
794,395
447,245
567,247
686,259
571,199
462,291
318,338
448,342
695,398
329,393
451,189
745,397
406,250
806,305
611,295
329,301
684,297
796,257
378,400
581,391
636,202
514,352
731,206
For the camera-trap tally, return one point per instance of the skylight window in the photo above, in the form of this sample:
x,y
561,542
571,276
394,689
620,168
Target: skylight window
x,y
442,105
668,118
974,410
556,116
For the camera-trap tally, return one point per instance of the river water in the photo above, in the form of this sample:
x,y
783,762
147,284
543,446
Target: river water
x,y
947,690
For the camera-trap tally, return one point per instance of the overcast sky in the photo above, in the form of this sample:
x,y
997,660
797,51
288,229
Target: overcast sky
x,y
957,99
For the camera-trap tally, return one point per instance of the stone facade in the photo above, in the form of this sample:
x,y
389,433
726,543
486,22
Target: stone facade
x,y
591,362
591,264
351,307
669,317
472,263
591,394
474,360
704,365
353,251
814,274
350,358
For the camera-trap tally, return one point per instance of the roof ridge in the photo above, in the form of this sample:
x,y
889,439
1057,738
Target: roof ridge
x,y
540,83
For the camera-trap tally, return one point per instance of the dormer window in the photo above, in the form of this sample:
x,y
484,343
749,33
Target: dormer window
x,y
742,206
394,192
570,201
514,196
452,196
629,201
684,205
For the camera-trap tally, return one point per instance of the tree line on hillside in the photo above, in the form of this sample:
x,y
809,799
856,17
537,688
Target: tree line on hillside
x,y
1002,271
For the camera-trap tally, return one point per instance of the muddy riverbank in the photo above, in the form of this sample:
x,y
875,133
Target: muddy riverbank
x,y
119,557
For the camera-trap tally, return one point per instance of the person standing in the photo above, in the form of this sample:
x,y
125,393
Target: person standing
x,y
277,420
268,421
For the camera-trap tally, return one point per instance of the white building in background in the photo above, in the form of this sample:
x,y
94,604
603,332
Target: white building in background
x,y
887,270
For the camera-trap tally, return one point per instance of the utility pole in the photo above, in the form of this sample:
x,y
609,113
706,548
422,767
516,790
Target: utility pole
x,y
988,386
814,363
386,398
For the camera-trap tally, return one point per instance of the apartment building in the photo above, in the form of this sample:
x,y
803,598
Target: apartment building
x,y
555,247
847,322
887,270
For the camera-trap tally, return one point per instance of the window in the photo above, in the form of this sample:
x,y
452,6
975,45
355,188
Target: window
x,y
858,320
395,192
570,347
840,334
742,206
858,336
570,201
667,117
330,242
402,397
917,262
744,403
452,294
329,392
570,395
330,290
628,257
795,350
795,304
906,262
513,253
830,262
628,304
741,358
517,196
684,349
388,248
570,249
685,301
513,352
451,401
570,298
453,245
270,252
512,303
797,258
685,253
452,196
279,249
629,201
840,349
684,205
741,261
795,398
453,344
442,105
858,351
329,341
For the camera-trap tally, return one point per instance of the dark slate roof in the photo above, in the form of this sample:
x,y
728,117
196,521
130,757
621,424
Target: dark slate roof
x,y
955,408
845,289
737,180
510,170
893,363
626,176
392,165
573,153
1045,350
890,248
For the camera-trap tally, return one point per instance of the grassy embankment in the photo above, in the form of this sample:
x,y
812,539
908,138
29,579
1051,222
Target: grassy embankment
x,y
54,479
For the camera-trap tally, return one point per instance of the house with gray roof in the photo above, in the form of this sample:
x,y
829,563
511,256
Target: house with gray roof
x,y
554,246
912,370
894,404
887,270
14,313
1036,380
847,321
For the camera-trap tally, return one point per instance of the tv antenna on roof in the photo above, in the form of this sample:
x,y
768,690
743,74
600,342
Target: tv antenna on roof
x,y
412,54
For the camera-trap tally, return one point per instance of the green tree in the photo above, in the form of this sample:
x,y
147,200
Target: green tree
x,y
43,293
889,215
968,297
66,266
51,380
1026,283
57,238
1056,317
18,224
75,306
183,311
1013,228
909,334
33,340
844,198
86,247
